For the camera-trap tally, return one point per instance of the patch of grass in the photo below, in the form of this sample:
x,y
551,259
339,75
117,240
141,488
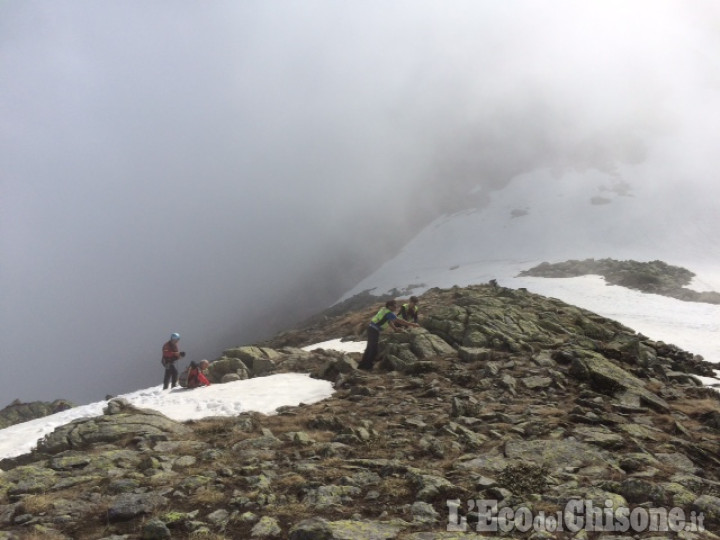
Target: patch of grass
x,y
696,407
332,463
36,504
396,488
292,512
208,496
290,483
212,426
44,535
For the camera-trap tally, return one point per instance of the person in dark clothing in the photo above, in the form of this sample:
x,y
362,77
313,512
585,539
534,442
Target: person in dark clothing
x,y
171,354
409,311
385,317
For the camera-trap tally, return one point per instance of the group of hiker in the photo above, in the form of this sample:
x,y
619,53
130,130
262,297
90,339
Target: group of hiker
x,y
386,317
193,377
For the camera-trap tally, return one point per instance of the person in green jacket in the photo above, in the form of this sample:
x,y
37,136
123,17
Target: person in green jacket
x,y
385,317
409,311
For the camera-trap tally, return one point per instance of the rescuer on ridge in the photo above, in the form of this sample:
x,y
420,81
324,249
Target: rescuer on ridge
x,y
170,355
385,317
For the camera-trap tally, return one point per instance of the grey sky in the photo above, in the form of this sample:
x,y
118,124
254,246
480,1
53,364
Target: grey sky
x,y
223,168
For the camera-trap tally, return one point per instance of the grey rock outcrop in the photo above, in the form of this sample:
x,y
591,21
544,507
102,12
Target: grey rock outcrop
x,y
120,421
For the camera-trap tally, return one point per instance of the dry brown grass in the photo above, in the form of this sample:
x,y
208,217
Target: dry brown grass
x,y
44,535
207,496
291,483
36,504
296,421
666,422
695,407
396,488
548,507
291,511
548,412
331,463
212,426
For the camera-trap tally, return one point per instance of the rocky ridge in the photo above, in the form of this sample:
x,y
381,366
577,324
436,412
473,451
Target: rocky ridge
x,y
18,412
655,277
502,395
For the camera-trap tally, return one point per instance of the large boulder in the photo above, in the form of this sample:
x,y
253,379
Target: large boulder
x,y
258,360
401,351
227,369
556,453
321,529
128,506
120,421
609,378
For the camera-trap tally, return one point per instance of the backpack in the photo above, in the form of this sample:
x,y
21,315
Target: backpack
x,y
185,375
192,379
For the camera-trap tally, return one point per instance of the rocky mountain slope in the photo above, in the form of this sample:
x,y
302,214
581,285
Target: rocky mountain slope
x,y
655,277
18,411
503,395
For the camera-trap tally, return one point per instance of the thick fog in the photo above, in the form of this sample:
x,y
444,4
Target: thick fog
x,y
224,169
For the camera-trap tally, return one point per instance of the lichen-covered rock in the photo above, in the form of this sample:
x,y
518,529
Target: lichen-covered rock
x,y
609,378
426,345
321,529
7,512
227,369
70,460
219,518
681,496
335,367
709,505
535,382
600,436
331,495
267,527
556,453
678,461
423,512
639,490
30,479
129,506
120,421
475,354
430,487
258,360
311,529
18,412
155,529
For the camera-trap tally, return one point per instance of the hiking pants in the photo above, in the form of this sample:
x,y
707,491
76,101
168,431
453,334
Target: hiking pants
x,y
371,350
171,372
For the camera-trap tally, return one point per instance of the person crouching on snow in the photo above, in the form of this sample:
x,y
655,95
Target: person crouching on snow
x,y
385,317
196,375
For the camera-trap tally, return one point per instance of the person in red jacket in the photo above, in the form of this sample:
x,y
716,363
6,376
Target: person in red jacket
x,y
196,375
171,354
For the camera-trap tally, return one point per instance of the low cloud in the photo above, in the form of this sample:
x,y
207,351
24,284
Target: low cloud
x,y
225,169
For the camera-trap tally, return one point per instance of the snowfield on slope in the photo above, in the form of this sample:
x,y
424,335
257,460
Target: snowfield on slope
x,y
260,394
528,222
